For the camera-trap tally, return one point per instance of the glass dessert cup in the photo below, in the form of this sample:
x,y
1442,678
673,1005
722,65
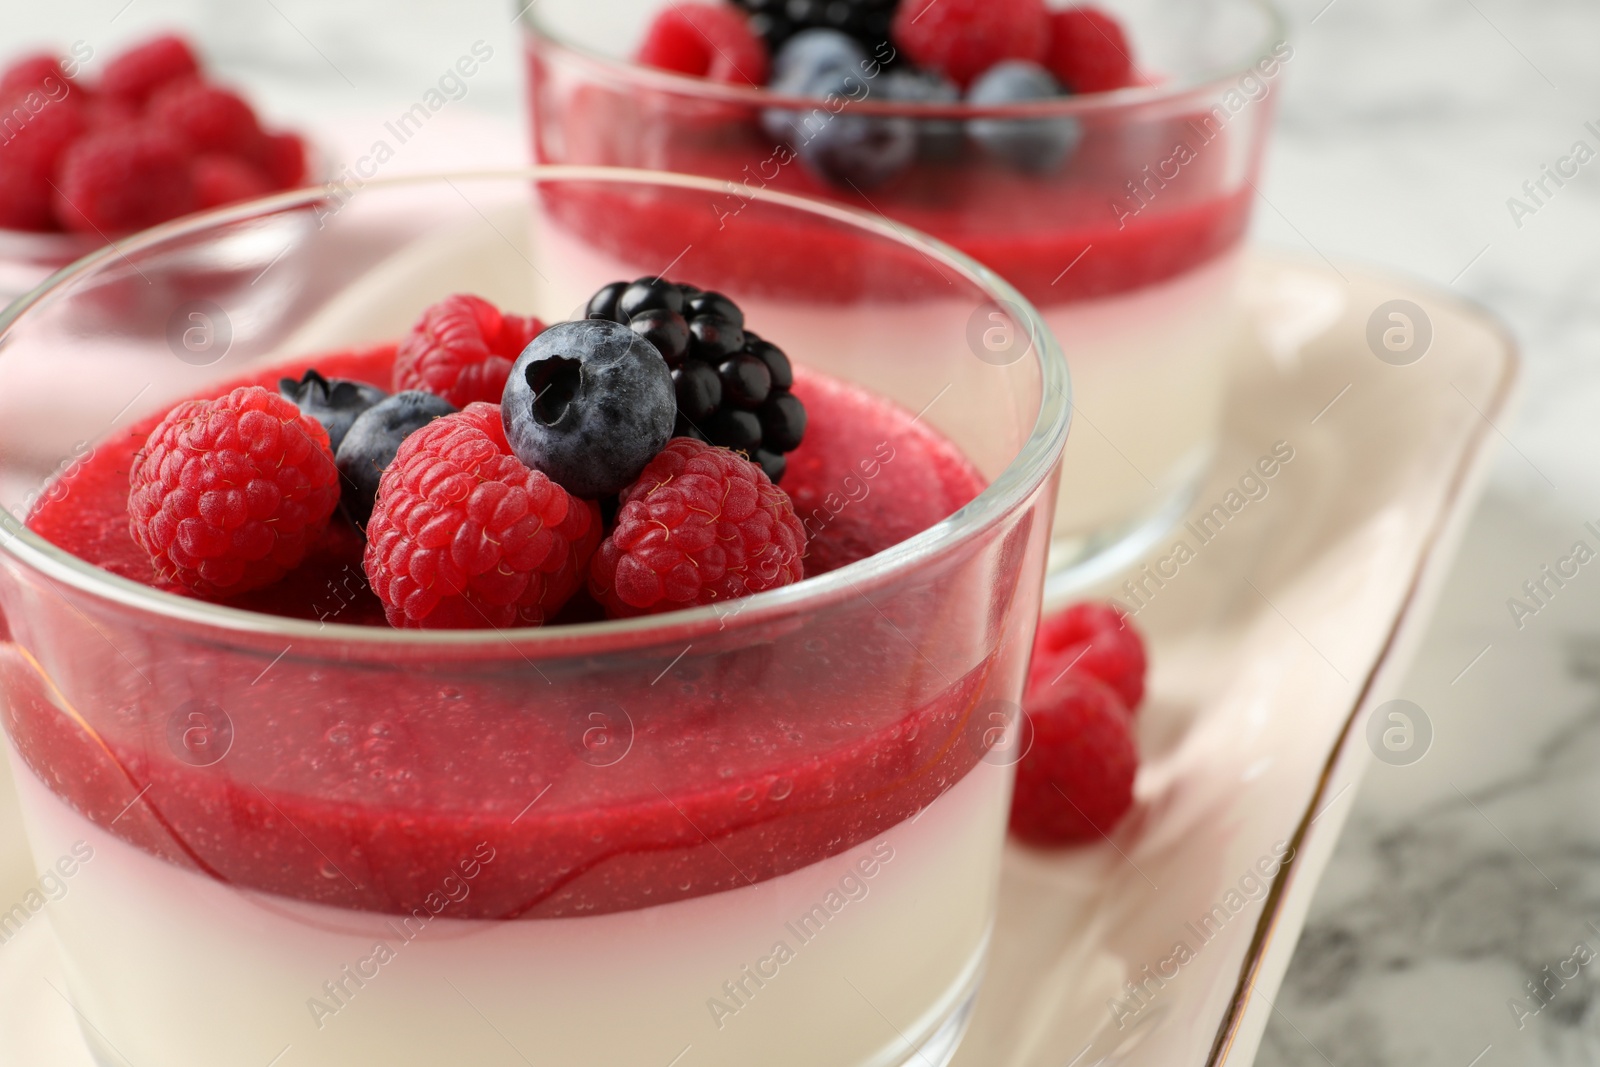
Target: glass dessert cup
x,y
764,832
1128,249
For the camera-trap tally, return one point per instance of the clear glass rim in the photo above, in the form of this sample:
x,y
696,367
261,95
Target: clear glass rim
x,y
1026,472
1080,105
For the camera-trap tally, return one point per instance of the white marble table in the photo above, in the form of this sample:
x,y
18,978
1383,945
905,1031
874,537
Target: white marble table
x,y
1404,129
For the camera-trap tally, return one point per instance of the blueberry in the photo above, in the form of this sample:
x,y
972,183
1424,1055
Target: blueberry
x,y
811,53
603,305
699,390
667,330
589,403
783,422
373,439
1038,145
649,294
746,381
333,402
770,354
941,139
713,338
849,149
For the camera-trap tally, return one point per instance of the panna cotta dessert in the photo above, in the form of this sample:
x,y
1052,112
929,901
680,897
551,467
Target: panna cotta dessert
x,y
1100,161
519,690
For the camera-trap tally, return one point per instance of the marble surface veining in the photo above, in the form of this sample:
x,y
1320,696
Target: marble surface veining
x,y
1456,924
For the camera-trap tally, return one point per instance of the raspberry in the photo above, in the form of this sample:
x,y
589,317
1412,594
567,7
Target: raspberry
x,y
34,73
138,72
207,118
31,145
963,38
1090,639
1076,780
701,525
228,494
221,179
707,41
462,350
116,181
283,158
1088,51
465,537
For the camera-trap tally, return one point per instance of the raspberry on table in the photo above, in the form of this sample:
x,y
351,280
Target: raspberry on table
x,y
1088,51
206,118
115,181
222,179
963,38
462,350
466,537
1075,782
712,41
135,74
1091,639
227,495
701,525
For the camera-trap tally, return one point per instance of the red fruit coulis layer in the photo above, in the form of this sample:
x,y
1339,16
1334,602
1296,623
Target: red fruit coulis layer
x,y
364,784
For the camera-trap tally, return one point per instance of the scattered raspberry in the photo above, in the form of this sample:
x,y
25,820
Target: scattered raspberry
x,y
116,181
702,524
1076,780
1088,51
462,350
36,72
228,494
28,159
138,72
221,179
712,41
207,118
963,38
283,159
465,537
1095,640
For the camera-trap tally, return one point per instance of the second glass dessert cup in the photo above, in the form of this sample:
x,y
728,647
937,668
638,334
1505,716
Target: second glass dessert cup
x,y
765,832
1129,248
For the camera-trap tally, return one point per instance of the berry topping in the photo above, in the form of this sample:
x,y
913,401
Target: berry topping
x,y
1039,145
963,38
1090,639
283,158
372,440
589,403
228,494
780,21
114,181
811,54
937,139
702,525
28,161
462,349
731,387
333,402
1088,51
1076,780
220,179
41,72
838,147
206,118
707,41
138,72
466,537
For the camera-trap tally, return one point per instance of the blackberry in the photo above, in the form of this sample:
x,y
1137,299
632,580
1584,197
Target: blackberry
x,y
776,21
732,387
